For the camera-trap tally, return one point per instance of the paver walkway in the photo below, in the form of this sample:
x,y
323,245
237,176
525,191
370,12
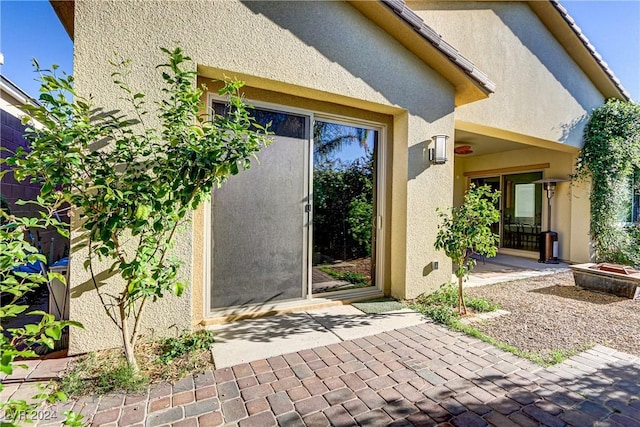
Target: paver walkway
x,y
422,375
504,268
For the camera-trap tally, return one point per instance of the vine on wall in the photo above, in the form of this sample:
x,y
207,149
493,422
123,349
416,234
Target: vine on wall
x,y
610,155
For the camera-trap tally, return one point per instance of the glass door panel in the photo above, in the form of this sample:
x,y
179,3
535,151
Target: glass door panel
x,y
522,211
494,183
260,223
344,207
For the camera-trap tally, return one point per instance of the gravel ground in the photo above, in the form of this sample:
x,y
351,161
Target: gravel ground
x,y
550,313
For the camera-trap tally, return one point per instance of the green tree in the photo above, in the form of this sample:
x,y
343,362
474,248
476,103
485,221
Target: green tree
x,y
466,230
610,155
21,342
133,184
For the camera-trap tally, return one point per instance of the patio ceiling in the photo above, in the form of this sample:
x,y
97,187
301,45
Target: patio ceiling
x,y
483,144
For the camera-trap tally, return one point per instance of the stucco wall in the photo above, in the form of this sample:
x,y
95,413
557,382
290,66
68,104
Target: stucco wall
x,y
569,203
325,51
540,91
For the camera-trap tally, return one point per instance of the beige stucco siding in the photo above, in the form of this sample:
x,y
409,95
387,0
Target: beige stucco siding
x,y
322,51
540,91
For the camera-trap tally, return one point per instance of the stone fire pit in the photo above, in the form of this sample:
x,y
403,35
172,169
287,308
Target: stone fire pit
x,y
614,279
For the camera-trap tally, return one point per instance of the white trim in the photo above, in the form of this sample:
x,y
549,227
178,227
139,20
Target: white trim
x,y
378,288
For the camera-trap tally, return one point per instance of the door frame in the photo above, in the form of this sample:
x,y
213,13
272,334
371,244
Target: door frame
x,y
380,161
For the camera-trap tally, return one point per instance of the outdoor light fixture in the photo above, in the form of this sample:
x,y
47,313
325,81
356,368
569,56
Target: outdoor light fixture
x,y
549,239
438,154
549,185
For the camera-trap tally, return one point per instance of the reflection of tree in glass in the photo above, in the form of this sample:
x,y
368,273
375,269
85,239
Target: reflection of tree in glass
x,y
343,208
330,138
281,124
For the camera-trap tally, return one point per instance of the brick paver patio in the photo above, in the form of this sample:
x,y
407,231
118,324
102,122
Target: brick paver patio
x,y
419,376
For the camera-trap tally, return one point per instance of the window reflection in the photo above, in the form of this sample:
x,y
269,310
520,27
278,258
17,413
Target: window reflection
x,y
281,124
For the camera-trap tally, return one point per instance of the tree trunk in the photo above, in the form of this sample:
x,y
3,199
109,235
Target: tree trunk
x,y
462,308
127,341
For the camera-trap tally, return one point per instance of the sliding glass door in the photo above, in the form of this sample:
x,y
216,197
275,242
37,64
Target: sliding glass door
x,y
303,220
344,206
520,207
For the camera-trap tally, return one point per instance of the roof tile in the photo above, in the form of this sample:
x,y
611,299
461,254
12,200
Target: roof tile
x,y
430,35
583,38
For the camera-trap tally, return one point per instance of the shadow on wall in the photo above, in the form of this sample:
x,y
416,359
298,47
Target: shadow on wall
x,y
545,48
547,54
418,159
574,129
361,55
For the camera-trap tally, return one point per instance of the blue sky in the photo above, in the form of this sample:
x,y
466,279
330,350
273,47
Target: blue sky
x,y
30,29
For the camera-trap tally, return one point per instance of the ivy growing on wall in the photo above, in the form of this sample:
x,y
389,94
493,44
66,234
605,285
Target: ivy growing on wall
x,y
610,155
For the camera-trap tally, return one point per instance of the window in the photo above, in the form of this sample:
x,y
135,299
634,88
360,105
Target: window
x,y
281,124
631,208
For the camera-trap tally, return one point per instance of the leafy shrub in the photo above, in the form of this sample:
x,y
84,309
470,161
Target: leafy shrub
x,y
446,294
442,314
609,157
466,230
145,184
632,249
441,304
175,347
482,305
45,330
360,222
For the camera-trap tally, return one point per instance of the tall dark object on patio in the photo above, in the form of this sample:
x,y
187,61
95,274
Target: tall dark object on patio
x,y
549,239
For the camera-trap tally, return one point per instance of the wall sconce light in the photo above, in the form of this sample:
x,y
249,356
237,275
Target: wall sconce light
x,y
438,154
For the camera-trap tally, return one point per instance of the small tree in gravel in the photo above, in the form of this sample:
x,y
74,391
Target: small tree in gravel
x,y
133,185
466,230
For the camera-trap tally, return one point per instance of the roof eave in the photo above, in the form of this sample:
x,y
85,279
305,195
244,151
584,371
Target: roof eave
x,y
65,10
470,83
16,92
397,19
557,20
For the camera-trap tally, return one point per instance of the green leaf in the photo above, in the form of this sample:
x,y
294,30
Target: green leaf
x,y
47,341
142,212
32,329
54,332
178,289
